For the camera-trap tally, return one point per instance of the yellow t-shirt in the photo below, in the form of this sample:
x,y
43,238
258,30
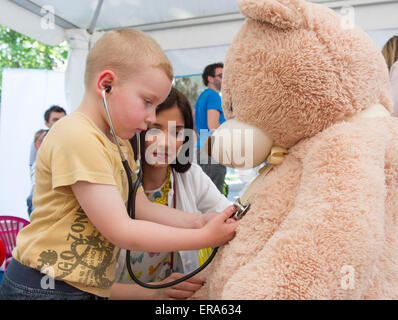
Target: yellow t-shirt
x,y
60,235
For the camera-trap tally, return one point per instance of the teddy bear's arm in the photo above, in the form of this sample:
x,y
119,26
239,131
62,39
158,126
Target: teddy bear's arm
x,y
328,245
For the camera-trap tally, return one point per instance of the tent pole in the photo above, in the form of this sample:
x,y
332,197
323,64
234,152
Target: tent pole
x,y
95,17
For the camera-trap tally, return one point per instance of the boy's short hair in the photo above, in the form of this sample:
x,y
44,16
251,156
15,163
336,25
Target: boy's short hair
x,y
53,108
210,71
125,51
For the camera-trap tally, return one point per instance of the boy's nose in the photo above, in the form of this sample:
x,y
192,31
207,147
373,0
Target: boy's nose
x,y
151,115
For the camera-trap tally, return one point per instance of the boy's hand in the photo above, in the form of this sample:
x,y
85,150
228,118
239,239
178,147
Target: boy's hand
x,y
204,218
220,228
182,290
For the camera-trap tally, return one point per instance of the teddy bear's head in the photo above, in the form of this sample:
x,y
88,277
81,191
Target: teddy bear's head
x,y
295,68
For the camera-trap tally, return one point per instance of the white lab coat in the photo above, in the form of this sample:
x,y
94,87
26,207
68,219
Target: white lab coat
x,y
196,193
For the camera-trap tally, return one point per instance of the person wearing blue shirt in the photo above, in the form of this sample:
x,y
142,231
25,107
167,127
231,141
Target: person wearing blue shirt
x,y
208,117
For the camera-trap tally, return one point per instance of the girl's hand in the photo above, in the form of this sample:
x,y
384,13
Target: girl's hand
x,y
179,291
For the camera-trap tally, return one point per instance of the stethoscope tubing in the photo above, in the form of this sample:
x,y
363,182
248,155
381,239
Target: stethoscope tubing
x,y
131,209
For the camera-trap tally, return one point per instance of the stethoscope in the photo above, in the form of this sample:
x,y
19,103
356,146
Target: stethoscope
x,y
133,187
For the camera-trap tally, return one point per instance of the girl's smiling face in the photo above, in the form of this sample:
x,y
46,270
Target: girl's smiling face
x,y
164,137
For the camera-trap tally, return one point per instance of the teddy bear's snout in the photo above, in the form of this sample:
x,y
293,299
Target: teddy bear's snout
x,y
237,144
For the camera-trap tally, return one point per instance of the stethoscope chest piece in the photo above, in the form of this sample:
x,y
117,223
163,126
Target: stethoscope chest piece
x,y
241,210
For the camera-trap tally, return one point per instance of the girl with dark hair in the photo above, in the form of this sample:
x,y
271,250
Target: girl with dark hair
x,y
171,178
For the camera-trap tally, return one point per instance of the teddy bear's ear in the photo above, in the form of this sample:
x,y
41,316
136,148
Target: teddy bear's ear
x,y
284,14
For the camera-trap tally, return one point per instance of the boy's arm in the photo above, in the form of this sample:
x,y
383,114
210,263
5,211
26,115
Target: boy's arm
x,y
155,212
105,208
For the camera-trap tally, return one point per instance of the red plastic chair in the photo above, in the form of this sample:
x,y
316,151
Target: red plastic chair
x,y
2,253
9,228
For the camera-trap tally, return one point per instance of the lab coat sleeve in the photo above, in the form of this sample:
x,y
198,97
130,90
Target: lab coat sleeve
x,y
197,193
208,198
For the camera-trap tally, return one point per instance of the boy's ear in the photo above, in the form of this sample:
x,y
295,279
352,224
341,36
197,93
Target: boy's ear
x,y
283,14
105,81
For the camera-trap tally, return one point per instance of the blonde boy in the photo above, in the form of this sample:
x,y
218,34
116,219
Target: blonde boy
x,y
80,220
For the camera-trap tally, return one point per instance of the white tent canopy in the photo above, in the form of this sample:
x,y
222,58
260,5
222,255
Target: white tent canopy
x,y
193,33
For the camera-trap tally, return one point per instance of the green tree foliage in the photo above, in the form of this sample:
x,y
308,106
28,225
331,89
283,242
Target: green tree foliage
x,y
20,51
191,87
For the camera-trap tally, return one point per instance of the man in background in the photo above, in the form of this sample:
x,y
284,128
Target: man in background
x,y
52,115
208,117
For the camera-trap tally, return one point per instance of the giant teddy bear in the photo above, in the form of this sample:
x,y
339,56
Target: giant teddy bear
x,y
323,224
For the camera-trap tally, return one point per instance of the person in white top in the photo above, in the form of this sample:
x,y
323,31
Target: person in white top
x,y
390,53
171,178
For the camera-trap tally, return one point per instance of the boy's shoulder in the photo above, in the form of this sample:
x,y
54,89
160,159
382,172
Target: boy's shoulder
x,y
76,128
73,119
74,124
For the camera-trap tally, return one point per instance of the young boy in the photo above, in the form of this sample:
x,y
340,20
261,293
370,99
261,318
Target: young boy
x,y
80,220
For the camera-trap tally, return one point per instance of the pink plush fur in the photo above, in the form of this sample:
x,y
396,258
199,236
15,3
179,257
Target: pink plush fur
x,y
294,82
329,212
332,203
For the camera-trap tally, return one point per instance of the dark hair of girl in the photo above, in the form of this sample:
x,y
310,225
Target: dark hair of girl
x,y
175,98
